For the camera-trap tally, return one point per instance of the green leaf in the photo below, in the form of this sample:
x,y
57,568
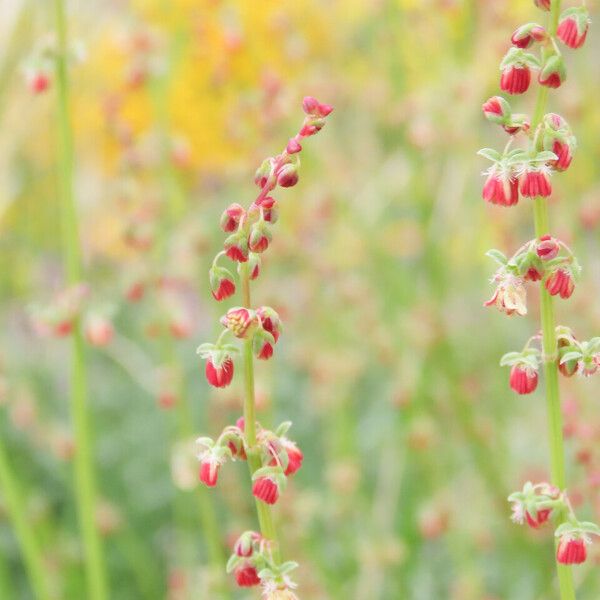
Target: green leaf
x,y
498,256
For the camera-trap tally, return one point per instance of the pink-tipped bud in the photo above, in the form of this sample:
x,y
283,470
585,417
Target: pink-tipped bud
x,y
515,79
313,108
219,375
547,248
240,321
266,489
293,146
571,551
560,283
573,27
246,575
287,176
526,35
231,217
523,380
244,546
553,72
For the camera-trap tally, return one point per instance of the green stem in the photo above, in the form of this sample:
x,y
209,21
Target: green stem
x,y
549,344
85,485
265,517
24,533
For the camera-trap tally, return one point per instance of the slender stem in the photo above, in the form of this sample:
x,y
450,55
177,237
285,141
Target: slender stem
x,y
549,344
24,533
85,485
265,517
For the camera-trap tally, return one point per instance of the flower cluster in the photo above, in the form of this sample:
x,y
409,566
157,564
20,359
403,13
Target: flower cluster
x,y
545,259
540,503
271,456
280,458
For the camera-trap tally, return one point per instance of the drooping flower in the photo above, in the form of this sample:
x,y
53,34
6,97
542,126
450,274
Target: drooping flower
x,y
240,321
510,296
573,26
219,375
571,550
523,379
560,283
266,489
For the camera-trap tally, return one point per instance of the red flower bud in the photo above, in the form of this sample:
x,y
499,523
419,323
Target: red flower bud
x,y
209,471
266,489
219,376
535,182
244,546
269,209
560,283
542,4
515,79
532,274
573,27
295,457
240,321
547,248
526,35
553,73
564,153
501,188
231,217
293,146
221,283
496,109
254,264
270,321
236,247
523,380
246,575
287,176
571,551
542,517
260,237
313,107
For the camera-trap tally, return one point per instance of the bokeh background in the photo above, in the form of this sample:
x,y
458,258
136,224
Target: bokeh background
x,y
388,366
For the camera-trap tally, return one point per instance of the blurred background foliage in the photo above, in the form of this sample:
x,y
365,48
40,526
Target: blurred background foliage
x,y
388,366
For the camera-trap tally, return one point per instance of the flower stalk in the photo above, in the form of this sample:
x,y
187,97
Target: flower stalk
x,y
85,484
526,172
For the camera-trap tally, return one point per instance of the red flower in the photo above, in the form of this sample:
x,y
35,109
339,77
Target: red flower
x,y
571,551
515,79
542,517
573,27
561,283
553,73
270,321
259,238
314,108
269,209
231,217
532,274
501,188
244,546
523,380
219,376
209,471
496,109
543,4
246,575
564,153
266,489
547,248
264,351
224,289
293,146
295,457
535,182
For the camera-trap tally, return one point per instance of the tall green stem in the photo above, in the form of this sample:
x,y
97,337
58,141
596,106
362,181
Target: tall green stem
x,y
85,485
549,342
23,531
265,517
